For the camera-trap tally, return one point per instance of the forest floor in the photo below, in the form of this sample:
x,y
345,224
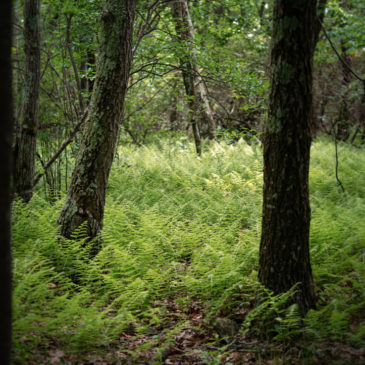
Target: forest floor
x,y
196,343
176,279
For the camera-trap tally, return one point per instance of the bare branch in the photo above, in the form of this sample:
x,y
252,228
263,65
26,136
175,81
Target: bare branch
x,y
76,73
61,149
338,54
149,24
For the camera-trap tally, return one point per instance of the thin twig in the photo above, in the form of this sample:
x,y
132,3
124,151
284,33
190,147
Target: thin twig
x,y
61,149
338,54
149,24
76,73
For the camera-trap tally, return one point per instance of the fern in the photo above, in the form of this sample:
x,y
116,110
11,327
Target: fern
x,y
186,227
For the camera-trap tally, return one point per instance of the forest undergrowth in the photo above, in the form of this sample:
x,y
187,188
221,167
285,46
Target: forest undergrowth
x,y
176,279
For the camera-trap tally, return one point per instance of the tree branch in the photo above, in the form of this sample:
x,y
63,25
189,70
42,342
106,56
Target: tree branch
x,y
69,48
61,149
338,54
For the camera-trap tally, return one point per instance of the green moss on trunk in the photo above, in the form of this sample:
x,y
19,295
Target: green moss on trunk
x,y
86,196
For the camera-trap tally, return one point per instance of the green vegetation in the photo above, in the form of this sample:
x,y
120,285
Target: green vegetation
x,y
180,250
176,278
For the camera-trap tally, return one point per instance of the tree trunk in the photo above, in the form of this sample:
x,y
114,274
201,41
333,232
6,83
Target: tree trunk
x,y
362,112
194,86
25,147
321,9
284,249
174,110
5,173
342,121
86,196
87,64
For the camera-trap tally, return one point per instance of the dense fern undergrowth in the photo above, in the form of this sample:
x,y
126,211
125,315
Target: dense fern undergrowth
x,y
186,230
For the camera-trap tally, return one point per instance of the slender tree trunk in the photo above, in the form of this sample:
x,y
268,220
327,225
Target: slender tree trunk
x,y
362,112
284,249
73,62
174,110
192,115
86,195
5,173
321,9
87,64
261,12
17,78
343,117
25,147
194,84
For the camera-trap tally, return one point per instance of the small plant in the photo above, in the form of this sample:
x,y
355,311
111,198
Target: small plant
x,y
185,228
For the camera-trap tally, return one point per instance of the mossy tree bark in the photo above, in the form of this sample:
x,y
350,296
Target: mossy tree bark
x,y
6,125
284,249
25,146
86,196
200,111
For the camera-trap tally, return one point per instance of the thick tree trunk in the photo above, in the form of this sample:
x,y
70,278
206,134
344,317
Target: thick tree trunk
x,y
284,248
5,173
86,196
196,92
25,147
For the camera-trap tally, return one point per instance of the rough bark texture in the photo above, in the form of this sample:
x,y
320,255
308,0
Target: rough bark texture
x,y
5,173
86,196
25,147
284,248
196,92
